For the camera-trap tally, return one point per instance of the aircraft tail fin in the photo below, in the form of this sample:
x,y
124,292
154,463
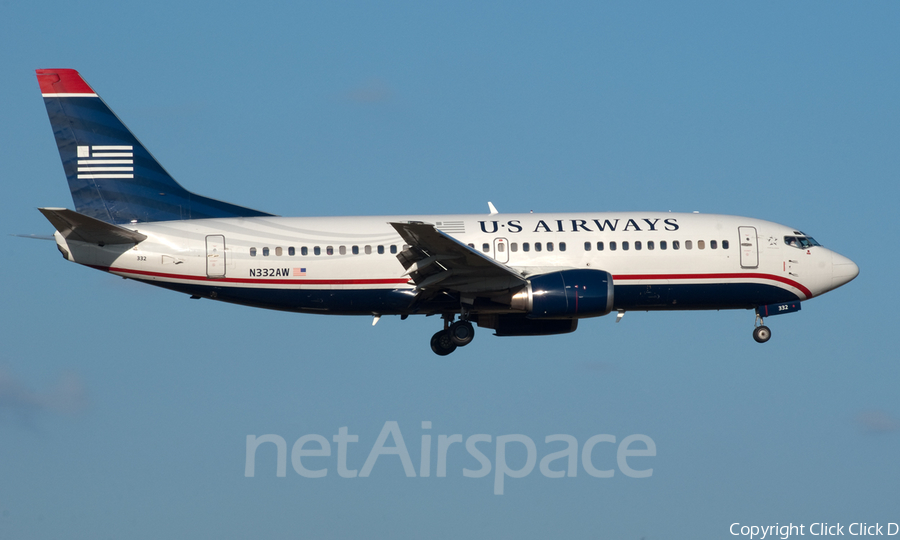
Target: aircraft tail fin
x,y
74,226
111,175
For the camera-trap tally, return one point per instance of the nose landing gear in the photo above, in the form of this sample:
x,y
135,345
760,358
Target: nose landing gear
x,y
454,334
761,332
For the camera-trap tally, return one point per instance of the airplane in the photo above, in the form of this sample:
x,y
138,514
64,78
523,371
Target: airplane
x,y
519,274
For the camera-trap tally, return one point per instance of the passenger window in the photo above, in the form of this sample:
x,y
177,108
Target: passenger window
x,y
381,250
637,245
688,244
354,250
701,244
485,247
537,246
587,246
676,244
304,251
472,246
317,250
278,252
291,251
253,252
265,252
713,244
651,244
549,246
625,246
514,247
599,246
342,250
501,247
724,244
393,249
526,246
329,250
562,246
368,250
612,246
663,244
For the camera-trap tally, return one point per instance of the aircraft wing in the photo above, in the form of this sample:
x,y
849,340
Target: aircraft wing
x,y
435,261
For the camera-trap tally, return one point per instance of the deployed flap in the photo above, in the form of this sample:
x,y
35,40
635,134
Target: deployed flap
x,y
435,260
75,226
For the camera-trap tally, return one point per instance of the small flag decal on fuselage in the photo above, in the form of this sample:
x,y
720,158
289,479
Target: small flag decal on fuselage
x,y
105,162
299,272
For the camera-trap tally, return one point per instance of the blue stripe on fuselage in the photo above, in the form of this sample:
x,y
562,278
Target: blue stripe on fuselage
x,y
396,301
699,296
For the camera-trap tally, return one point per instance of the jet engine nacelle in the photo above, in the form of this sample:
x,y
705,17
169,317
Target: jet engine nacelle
x,y
566,294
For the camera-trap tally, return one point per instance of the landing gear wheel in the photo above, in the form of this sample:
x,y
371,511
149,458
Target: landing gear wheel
x,y
442,343
462,333
762,334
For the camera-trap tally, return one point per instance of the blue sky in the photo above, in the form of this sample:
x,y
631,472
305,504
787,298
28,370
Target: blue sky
x,y
124,409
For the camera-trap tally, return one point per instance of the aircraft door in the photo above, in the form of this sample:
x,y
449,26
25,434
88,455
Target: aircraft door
x,y
749,250
501,250
215,256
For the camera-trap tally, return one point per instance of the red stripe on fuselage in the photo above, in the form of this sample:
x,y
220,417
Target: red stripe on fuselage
x,y
401,281
770,277
254,281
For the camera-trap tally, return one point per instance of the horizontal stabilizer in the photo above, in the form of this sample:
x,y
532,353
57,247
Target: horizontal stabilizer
x,y
82,228
35,236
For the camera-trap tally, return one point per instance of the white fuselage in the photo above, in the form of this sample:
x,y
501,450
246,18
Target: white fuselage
x,y
657,260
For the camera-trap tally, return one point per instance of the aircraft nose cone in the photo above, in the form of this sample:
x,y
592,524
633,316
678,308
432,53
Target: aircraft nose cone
x,y
843,270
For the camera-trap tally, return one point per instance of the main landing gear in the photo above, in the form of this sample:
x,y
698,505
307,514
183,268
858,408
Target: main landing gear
x,y
454,334
761,332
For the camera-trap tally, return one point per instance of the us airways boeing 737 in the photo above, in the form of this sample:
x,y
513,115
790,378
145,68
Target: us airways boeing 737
x,y
518,274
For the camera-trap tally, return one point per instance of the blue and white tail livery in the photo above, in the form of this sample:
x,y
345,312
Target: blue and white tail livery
x,y
112,176
518,274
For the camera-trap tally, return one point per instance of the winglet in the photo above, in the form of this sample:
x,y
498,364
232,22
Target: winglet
x,y
63,83
74,226
492,208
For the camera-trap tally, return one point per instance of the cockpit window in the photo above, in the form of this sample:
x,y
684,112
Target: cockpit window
x,y
800,242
